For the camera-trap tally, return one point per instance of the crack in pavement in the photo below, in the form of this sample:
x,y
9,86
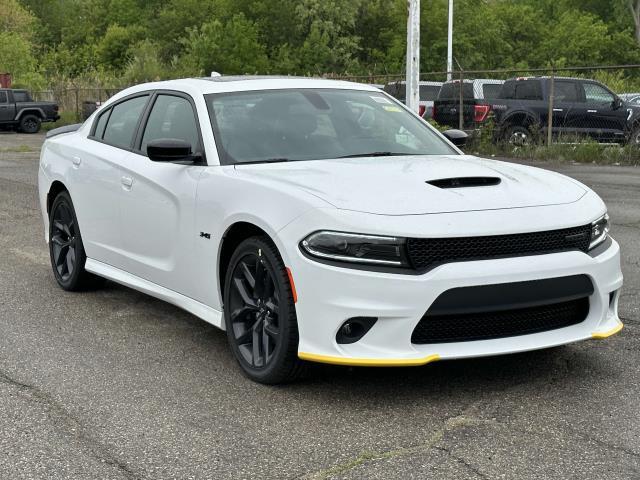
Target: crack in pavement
x,y
367,457
462,462
70,426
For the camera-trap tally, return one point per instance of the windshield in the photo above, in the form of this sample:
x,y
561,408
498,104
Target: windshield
x,y
316,124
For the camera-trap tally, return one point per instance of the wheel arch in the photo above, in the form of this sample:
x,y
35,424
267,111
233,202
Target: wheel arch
x,y
235,234
33,111
54,189
520,118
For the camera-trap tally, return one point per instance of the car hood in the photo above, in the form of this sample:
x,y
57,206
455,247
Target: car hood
x,y
398,185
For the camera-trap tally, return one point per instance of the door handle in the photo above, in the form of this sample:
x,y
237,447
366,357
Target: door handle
x,y
557,110
127,181
76,161
592,111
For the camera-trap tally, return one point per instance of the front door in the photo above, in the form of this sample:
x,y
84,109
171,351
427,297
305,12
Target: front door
x,y
606,119
7,110
158,202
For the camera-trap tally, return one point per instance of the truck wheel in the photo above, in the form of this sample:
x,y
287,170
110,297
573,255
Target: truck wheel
x,y
519,136
634,138
30,124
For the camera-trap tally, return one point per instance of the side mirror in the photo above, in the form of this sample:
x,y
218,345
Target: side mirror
x,y
171,150
617,103
457,137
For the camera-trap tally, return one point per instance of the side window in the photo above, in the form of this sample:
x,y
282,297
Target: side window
x,y
595,93
528,90
171,117
491,90
21,96
566,92
3,97
101,123
123,120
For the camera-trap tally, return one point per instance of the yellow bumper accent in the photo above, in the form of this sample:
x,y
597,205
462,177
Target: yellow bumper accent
x,y
608,333
369,362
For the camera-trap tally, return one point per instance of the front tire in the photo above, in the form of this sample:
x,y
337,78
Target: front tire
x,y
30,124
66,249
260,315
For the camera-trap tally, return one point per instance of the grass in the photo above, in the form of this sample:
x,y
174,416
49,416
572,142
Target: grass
x,y
18,149
66,118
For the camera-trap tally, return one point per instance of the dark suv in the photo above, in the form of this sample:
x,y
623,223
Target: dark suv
x,y
476,97
18,110
581,108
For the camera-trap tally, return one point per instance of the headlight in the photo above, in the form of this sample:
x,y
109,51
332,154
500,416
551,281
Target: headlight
x,y
356,248
599,231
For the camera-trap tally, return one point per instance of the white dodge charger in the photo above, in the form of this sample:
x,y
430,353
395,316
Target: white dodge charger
x,y
322,221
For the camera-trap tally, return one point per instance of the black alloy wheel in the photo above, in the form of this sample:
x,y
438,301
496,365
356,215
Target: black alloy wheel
x,y
260,313
63,241
30,124
66,248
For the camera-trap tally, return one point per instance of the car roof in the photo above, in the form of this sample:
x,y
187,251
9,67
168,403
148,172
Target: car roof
x,y
223,84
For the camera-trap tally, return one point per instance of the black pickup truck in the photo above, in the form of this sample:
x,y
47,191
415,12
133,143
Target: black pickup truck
x,y
580,108
18,110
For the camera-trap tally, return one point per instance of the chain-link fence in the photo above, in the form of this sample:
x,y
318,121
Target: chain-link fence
x,y
507,110
76,104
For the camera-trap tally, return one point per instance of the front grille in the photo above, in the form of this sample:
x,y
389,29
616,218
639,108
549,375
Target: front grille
x,y
425,253
499,324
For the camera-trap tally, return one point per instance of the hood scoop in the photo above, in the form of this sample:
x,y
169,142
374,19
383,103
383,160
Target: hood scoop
x,y
463,182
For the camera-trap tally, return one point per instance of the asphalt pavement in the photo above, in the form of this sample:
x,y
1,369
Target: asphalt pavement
x,y
115,384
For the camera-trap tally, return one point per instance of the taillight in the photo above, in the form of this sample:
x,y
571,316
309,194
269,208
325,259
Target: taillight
x,y
480,112
55,108
421,110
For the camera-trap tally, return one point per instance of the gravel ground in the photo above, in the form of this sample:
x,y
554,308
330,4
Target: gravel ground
x,y
115,384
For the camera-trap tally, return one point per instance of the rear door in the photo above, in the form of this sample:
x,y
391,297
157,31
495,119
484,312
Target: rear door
x,y
158,201
7,108
96,171
569,109
606,119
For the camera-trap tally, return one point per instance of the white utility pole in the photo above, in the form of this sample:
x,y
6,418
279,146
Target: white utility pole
x,y
413,55
450,42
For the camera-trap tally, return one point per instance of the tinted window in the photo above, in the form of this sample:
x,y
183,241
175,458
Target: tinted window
x,y
491,90
452,90
528,90
315,124
171,117
566,92
123,121
396,89
3,97
21,96
595,93
429,92
101,123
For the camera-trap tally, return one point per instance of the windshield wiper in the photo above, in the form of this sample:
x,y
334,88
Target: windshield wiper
x,y
266,160
375,154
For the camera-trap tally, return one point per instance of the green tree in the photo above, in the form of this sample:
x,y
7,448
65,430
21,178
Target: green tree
x,y
229,48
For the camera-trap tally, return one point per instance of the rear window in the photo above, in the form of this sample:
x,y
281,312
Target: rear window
x,y
452,90
3,97
21,96
396,90
521,90
429,92
491,90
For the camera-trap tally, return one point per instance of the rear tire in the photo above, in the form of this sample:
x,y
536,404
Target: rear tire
x,y
260,314
30,123
66,249
519,136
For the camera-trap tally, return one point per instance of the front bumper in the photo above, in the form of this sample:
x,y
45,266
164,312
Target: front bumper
x,y
328,295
